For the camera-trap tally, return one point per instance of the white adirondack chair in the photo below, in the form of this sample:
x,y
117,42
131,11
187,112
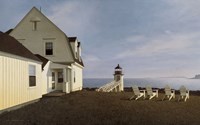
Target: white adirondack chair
x,y
151,93
137,93
183,93
169,93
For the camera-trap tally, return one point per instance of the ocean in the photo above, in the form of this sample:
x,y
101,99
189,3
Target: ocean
x,y
174,83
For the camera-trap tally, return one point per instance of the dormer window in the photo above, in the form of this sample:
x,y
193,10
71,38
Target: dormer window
x,y
49,48
76,54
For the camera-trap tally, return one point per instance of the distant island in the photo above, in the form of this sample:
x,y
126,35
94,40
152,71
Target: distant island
x,y
196,76
174,77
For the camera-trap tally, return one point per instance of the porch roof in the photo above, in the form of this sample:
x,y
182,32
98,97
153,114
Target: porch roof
x,y
58,66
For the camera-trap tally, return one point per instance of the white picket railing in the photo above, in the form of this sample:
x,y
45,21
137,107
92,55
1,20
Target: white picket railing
x,y
111,86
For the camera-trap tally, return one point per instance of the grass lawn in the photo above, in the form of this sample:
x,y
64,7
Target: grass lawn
x,y
96,108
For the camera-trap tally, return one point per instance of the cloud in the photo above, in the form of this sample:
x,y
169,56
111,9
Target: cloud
x,y
148,38
135,38
74,17
10,17
159,45
90,58
182,11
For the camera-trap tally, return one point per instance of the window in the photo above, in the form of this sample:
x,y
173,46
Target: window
x,y
53,76
118,78
49,48
60,77
32,75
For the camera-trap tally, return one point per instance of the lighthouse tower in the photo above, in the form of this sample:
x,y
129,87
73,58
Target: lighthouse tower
x,y
118,77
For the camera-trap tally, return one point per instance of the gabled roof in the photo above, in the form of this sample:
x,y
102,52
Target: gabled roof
x,y
38,19
33,10
9,44
43,59
72,39
68,39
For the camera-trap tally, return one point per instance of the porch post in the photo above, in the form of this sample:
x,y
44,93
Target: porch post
x,y
69,79
64,75
65,83
56,80
72,78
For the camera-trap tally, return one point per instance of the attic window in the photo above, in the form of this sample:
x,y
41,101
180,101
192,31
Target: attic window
x,y
49,48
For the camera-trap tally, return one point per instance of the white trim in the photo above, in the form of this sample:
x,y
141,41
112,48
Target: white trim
x,y
48,38
69,67
57,66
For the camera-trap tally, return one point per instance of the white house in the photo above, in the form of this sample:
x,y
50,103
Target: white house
x,y
38,34
20,74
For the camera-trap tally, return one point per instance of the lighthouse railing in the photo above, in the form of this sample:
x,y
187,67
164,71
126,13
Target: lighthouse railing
x,y
109,86
104,87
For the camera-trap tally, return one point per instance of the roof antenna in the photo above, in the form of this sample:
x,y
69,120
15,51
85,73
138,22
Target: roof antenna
x,y
40,9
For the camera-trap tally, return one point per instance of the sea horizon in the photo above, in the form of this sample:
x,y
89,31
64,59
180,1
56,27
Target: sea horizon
x,y
158,82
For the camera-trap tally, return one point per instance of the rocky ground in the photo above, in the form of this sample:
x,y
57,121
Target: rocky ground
x,y
95,108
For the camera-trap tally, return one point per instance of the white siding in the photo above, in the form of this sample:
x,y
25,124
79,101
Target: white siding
x,y
14,82
78,84
46,79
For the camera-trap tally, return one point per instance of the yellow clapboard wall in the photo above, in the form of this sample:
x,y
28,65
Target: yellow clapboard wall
x,y
14,82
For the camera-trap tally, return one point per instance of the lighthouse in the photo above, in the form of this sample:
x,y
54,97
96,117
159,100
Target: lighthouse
x,y
118,77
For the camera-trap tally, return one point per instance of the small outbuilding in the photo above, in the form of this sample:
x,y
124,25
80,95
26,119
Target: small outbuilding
x,y
20,74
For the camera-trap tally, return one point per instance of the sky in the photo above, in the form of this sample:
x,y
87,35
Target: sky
x,y
148,38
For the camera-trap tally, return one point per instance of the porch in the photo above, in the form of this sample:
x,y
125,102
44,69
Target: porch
x,y
61,77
